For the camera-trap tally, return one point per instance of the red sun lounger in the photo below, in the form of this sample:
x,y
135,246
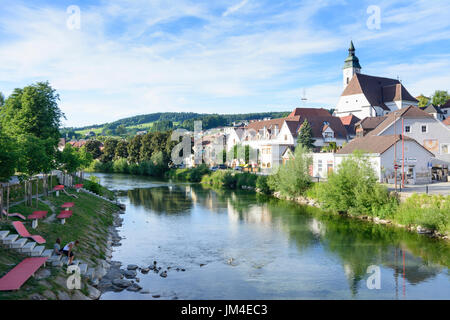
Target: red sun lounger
x,y
15,278
58,189
18,215
23,232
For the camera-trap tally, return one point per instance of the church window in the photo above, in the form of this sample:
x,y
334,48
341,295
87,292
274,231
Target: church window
x,y
347,80
407,129
424,129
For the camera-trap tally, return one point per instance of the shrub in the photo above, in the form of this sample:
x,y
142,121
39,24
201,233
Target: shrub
x,y
93,184
121,166
354,189
292,179
262,185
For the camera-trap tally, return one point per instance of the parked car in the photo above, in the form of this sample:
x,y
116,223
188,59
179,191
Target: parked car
x,y
239,168
222,167
214,169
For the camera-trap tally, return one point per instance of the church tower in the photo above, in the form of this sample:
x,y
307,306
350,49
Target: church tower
x,y
351,65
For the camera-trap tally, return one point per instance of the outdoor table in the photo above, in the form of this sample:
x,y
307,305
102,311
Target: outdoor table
x,y
68,205
64,215
58,189
36,216
78,187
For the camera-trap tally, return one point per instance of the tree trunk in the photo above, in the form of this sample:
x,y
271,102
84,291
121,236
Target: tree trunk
x,y
7,199
25,191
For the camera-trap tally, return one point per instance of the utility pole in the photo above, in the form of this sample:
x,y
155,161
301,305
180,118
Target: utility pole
x,y
403,154
395,151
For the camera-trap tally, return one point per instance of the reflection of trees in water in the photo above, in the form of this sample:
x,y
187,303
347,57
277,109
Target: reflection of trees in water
x,y
167,199
357,244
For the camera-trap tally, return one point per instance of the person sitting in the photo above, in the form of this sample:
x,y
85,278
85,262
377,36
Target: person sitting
x,y
57,247
68,250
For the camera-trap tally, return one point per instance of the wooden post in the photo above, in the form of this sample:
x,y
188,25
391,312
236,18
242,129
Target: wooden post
x,y
37,192
7,198
25,194
1,201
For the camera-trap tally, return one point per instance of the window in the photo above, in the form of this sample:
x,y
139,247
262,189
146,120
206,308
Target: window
x,y
285,137
424,129
319,166
348,79
445,148
407,129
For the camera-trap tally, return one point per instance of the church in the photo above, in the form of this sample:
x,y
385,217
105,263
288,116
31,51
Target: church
x,y
368,96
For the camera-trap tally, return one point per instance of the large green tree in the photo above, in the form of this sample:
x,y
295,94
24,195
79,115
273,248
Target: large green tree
x,y
122,149
2,99
134,149
440,97
305,136
109,150
8,156
36,155
33,111
93,147
423,101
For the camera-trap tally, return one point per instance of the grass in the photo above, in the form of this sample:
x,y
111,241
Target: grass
x,y
89,224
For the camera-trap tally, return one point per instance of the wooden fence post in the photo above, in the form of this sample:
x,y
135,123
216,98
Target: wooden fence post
x,y
1,201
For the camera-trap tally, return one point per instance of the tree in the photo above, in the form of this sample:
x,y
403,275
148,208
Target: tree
x,y
122,149
69,159
2,99
8,156
34,111
134,149
93,147
109,150
440,97
305,136
36,155
121,130
423,101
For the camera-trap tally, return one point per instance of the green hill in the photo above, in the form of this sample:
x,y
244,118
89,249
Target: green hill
x,y
163,121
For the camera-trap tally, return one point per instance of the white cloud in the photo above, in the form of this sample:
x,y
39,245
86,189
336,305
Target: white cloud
x,y
234,8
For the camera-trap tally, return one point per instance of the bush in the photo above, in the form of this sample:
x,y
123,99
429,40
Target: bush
x,y
120,166
262,185
93,185
429,211
354,189
292,179
192,175
245,179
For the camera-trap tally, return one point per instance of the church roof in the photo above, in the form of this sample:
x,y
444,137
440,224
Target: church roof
x,y
349,123
352,60
378,90
446,121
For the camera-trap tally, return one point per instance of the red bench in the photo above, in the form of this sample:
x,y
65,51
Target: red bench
x,y
36,216
15,278
68,205
58,189
64,215
23,232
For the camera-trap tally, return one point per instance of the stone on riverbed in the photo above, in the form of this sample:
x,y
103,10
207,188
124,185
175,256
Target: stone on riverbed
x,y
122,283
132,267
145,270
134,288
164,274
129,274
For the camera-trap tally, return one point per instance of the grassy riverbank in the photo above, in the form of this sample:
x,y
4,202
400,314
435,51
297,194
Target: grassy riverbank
x,y
89,224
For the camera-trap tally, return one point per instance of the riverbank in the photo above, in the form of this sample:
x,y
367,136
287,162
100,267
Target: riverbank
x,y
93,224
414,213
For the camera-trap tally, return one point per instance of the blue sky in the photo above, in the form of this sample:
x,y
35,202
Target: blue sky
x,y
226,56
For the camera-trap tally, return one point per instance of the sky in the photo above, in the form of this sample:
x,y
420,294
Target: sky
x,y
120,58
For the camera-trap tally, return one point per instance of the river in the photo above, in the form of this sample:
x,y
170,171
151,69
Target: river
x,y
241,245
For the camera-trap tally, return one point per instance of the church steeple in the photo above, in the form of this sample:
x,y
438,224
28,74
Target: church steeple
x,y
351,65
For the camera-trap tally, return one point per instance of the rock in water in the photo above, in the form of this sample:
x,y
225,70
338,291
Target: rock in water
x,y
132,267
134,288
164,274
121,283
129,274
145,270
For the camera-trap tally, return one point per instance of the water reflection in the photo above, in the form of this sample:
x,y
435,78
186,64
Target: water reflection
x,y
277,249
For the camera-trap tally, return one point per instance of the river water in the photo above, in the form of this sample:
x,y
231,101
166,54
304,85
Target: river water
x,y
240,245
